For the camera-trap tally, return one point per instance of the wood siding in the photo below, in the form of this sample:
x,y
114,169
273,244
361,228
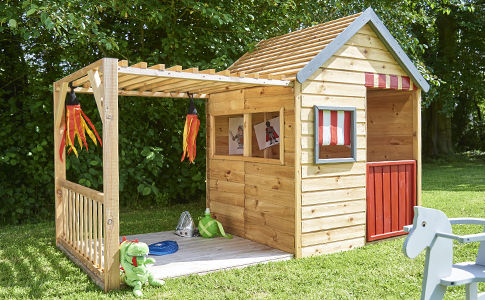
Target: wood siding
x,y
253,199
333,196
390,131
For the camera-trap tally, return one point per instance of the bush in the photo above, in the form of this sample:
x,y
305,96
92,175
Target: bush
x,y
150,149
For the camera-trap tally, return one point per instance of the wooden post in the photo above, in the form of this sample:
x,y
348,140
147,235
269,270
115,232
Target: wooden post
x,y
298,96
417,142
212,135
59,166
282,135
207,153
110,175
265,150
247,123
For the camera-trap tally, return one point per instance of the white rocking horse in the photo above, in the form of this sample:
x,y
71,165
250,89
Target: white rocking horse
x,y
431,229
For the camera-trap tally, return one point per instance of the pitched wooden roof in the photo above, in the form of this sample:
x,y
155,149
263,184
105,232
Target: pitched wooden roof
x,y
289,53
300,53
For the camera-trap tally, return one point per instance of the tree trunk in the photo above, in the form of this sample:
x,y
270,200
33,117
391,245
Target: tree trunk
x,y
440,131
438,138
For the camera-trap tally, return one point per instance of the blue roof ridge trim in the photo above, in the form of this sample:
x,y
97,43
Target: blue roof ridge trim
x,y
368,16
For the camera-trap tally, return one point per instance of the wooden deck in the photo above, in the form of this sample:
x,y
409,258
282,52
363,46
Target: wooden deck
x,y
198,255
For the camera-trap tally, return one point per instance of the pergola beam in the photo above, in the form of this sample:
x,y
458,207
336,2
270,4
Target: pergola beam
x,y
201,77
82,90
80,73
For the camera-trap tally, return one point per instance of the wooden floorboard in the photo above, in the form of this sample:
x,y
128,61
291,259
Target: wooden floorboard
x,y
198,255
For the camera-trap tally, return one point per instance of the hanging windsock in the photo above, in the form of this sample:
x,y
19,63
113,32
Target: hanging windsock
x,y
76,125
191,129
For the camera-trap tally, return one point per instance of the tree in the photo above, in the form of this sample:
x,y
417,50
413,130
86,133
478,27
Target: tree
x,y
450,35
41,41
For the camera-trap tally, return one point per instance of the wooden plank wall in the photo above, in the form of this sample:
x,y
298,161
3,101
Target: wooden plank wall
x,y
389,125
251,199
333,196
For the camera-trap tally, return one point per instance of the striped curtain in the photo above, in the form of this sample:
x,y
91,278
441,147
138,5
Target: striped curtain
x,y
334,127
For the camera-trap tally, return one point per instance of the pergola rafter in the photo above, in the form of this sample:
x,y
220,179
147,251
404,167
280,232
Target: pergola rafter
x,y
173,82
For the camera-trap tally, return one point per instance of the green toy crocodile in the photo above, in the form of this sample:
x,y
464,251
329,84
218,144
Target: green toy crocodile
x,y
133,266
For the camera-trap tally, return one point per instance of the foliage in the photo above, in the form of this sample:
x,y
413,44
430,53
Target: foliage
x,y
450,34
45,40
42,41
33,268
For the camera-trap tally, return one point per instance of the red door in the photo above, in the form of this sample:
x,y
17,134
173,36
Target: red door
x,y
391,196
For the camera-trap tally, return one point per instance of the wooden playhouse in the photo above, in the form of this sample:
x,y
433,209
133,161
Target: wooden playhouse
x,y
313,143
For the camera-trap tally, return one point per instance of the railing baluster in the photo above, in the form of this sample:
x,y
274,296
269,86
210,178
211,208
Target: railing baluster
x,y
90,227
78,222
81,222
68,231
100,233
71,234
73,199
95,229
73,220
85,211
64,213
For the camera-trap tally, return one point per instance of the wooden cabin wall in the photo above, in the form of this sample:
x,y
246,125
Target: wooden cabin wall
x,y
390,130
254,200
333,195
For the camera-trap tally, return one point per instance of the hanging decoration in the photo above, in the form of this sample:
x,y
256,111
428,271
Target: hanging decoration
x,y
76,125
191,129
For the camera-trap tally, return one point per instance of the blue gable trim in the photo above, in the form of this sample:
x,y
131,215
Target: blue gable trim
x,y
368,16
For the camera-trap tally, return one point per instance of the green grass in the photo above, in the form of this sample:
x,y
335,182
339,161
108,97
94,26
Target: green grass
x,y
32,267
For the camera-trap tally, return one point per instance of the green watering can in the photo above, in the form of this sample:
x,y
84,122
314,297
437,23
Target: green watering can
x,y
208,227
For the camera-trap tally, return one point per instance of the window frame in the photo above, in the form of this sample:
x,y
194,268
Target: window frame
x,y
248,130
353,135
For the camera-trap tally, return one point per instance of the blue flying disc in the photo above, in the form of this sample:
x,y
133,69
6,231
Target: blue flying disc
x,y
163,248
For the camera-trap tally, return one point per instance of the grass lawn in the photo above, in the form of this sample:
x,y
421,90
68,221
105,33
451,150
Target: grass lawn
x,y
32,267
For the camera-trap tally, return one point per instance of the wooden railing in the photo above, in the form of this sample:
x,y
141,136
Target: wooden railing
x,y
82,230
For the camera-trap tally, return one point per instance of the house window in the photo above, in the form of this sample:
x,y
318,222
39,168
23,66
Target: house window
x,y
266,135
335,139
250,136
229,135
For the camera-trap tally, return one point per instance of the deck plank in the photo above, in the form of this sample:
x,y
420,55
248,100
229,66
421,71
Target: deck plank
x,y
198,255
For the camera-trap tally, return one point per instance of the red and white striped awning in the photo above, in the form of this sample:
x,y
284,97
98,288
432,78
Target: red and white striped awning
x,y
334,127
386,81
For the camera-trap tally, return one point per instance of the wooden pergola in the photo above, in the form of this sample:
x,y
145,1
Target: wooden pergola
x,y
87,221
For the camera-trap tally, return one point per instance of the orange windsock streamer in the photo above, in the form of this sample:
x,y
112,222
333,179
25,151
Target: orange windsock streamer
x,y
191,129
76,125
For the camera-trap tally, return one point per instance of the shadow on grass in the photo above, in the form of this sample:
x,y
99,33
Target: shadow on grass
x,y
31,266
